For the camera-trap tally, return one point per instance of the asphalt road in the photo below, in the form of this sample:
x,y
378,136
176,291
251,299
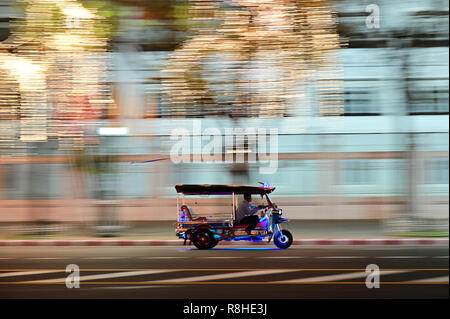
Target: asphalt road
x,y
224,272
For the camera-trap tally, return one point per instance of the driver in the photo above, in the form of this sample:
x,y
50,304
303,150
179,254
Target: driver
x,y
245,211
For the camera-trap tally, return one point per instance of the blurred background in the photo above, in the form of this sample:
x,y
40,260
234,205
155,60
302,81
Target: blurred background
x,y
90,92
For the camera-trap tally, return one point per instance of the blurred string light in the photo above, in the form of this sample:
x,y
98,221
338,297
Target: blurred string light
x,y
53,73
256,58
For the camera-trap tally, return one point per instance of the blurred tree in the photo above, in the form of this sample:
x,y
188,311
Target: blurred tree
x,y
55,58
247,57
55,54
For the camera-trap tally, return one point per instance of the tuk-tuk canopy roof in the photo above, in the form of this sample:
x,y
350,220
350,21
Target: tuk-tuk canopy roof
x,y
221,189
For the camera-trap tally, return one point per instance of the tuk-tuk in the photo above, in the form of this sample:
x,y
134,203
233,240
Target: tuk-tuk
x,y
206,231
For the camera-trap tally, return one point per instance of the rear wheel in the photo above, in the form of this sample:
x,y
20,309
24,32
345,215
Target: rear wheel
x,y
283,239
204,239
214,243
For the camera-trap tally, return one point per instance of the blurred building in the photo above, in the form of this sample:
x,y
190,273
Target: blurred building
x,y
384,153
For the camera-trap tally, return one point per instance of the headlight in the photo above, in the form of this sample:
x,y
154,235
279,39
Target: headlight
x,y
277,210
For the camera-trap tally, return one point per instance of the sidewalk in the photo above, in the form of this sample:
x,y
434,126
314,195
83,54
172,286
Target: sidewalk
x,y
305,232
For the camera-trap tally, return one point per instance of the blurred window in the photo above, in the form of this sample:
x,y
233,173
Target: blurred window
x,y
429,100
352,24
293,177
34,181
135,181
360,100
434,21
436,171
357,172
203,173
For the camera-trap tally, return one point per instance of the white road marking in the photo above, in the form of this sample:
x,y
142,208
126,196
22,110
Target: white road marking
x,y
281,257
440,257
400,257
26,273
385,248
224,257
105,276
162,257
341,257
135,287
435,279
224,276
46,258
105,258
352,275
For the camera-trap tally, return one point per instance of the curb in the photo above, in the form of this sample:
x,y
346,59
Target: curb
x,y
151,242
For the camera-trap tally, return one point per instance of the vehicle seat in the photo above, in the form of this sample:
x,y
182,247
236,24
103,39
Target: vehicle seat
x,y
187,212
236,224
263,222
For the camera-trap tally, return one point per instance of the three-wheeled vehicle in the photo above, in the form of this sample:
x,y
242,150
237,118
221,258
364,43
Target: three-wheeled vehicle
x,y
207,231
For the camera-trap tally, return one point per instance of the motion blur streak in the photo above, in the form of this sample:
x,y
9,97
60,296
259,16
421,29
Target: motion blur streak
x,y
91,91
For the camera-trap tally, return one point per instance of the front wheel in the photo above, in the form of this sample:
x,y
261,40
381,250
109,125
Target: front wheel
x,y
283,239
